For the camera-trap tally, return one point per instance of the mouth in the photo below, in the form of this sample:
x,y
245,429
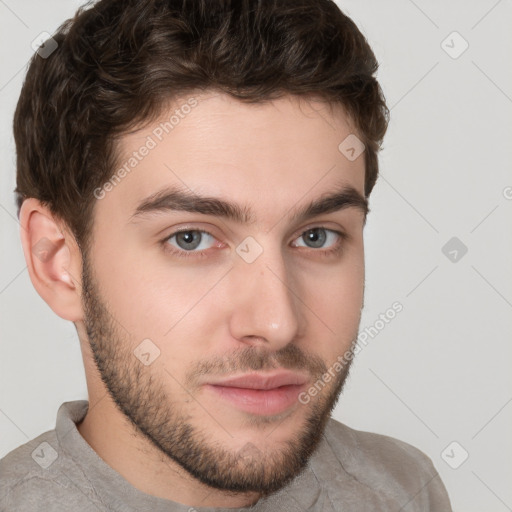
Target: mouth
x,y
263,394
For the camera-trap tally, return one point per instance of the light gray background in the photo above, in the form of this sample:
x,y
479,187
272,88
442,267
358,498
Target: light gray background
x,y
440,371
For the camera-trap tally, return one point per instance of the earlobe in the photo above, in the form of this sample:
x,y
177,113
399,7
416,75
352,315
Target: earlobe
x,y
53,260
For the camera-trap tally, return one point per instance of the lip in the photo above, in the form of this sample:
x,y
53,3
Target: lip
x,y
263,394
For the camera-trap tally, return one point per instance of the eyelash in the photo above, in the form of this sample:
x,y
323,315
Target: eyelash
x,y
336,249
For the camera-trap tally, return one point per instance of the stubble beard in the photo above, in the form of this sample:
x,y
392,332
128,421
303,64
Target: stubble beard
x,y
139,393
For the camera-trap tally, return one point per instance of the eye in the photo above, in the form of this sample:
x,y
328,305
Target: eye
x,y
191,239
316,238
196,242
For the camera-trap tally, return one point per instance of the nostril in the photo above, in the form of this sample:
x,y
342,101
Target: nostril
x,y
255,338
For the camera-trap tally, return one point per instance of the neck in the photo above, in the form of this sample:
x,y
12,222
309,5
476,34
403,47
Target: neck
x,y
115,440
113,437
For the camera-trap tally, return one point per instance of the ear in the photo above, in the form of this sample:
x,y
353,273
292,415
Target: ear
x,y
53,258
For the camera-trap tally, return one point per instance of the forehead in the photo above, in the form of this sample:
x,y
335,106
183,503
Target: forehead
x,y
268,155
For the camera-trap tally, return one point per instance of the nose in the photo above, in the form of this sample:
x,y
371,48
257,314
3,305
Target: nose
x,y
265,308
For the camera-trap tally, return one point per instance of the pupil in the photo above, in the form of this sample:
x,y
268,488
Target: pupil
x,y
316,236
188,238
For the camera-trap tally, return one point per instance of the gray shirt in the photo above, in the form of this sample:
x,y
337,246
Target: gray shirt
x,y
351,471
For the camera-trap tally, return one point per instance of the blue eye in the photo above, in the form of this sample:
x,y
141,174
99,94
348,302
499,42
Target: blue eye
x,y
191,239
196,242
318,236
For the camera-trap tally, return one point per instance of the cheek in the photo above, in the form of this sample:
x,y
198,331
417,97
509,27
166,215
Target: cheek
x,y
178,304
335,298
338,299
172,305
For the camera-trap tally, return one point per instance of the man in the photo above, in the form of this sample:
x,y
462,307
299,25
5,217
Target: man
x,y
193,182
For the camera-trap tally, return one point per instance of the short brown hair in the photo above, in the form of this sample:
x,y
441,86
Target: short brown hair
x,y
119,62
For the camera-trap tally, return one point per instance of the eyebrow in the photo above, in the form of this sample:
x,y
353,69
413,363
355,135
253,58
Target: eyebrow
x,y
172,199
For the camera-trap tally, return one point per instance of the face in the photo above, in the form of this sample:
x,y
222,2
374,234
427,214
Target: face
x,y
225,279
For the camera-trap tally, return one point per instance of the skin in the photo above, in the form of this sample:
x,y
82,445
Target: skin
x,y
215,315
